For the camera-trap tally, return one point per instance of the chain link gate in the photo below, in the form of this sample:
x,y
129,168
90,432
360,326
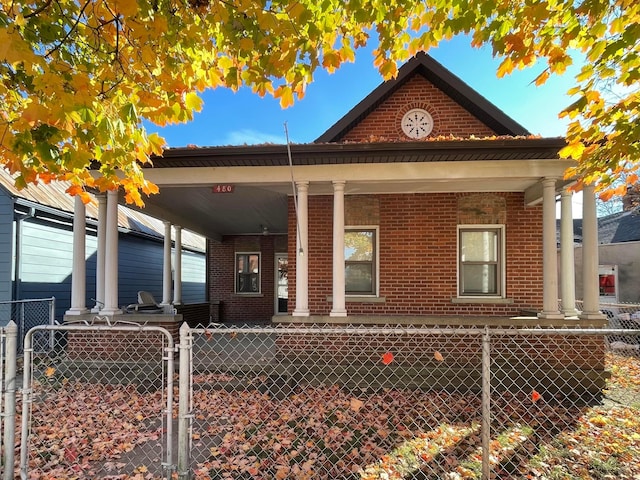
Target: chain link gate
x,y
99,404
310,402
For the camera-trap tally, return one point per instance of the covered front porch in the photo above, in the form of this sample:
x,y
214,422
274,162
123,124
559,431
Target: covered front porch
x,y
243,208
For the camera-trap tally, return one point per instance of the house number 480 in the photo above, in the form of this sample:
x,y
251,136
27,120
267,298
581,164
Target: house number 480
x,y
222,188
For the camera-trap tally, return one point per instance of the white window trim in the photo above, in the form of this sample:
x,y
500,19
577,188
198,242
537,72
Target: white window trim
x,y
235,274
376,287
502,261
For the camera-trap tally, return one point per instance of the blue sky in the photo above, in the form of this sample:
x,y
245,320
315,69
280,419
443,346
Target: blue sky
x,y
237,118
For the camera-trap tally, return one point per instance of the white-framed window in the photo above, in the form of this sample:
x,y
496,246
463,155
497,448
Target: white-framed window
x,y
247,272
481,266
361,260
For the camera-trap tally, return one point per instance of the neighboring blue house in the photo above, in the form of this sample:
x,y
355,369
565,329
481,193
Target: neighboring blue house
x,y
36,243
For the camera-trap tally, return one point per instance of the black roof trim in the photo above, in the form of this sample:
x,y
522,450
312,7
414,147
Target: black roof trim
x,y
442,78
345,153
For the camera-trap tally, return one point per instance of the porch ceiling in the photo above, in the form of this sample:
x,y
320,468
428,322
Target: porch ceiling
x,y
261,178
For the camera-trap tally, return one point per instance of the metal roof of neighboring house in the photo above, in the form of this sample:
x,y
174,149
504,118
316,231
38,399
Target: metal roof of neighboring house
x,y
54,196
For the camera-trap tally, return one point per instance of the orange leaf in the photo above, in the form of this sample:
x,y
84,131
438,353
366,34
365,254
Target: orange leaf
x,y
49,371
356,404
506,67
535,396
438,356
387,358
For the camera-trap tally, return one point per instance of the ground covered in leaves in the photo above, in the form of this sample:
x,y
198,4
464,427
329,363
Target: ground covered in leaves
x,y
80,430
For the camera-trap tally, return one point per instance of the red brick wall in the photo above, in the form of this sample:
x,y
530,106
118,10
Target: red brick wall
x,y
242,308
417,270
449,117
121,346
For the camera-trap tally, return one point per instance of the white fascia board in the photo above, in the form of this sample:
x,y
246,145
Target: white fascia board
x,y
370,172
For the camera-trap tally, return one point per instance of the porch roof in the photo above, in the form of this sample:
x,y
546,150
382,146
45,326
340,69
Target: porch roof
x,y
262,179
455,150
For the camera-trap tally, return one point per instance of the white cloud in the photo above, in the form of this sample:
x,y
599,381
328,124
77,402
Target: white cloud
x,y
252,137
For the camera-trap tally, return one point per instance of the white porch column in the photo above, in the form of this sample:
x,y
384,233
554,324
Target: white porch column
x,y
590,260
166,265
302,252
100,254
79,267
338,309
549,252
111,257
567,263
177,278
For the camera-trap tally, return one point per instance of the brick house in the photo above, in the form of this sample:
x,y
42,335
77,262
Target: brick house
x,y
423,204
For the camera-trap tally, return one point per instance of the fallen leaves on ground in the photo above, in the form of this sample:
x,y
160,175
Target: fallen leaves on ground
x,y
80,430
83,431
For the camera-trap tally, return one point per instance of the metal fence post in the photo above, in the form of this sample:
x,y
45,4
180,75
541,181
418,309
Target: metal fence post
x,y
52,321
169,358
9,388
184,407
26,404
486,404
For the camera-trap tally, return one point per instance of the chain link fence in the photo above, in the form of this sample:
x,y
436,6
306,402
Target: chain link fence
x,y
98,404
406,403
321,402
28,314
625,316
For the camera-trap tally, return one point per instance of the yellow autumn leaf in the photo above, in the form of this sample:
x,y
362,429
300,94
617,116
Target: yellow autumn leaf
x,y
49,371
573,150
285,94
193,101
389,69
126,7
506,67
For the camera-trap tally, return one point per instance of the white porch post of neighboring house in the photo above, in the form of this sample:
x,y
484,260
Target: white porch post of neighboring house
x,y
177,279
549,252
567,260
166,265
79,267
100,254
302,252
590,260
338,309
111,257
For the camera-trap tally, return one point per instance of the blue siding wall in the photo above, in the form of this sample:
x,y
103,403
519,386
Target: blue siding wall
x,y
6,246
140,268
194,289
46,261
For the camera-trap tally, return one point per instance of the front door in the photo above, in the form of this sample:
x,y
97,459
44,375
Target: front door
x,y
282,284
